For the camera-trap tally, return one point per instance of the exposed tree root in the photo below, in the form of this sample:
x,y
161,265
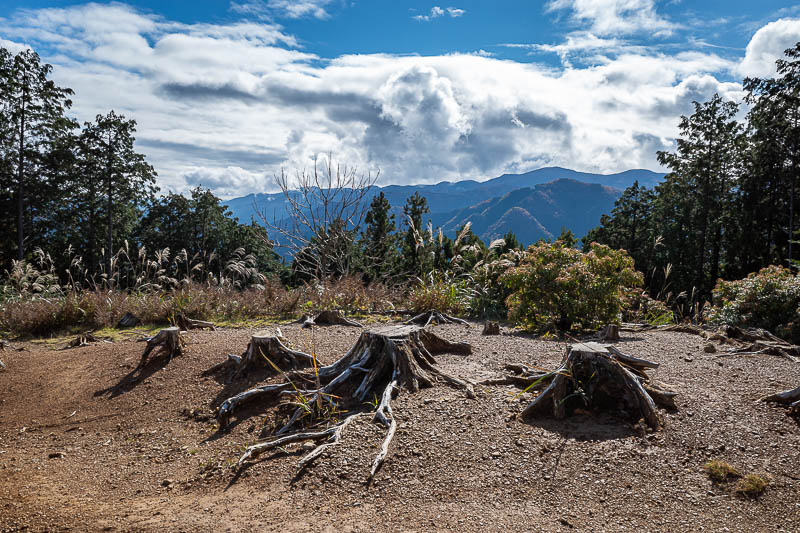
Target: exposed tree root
x,y
381,363
597,377
329,318
169,340
789,397
435,317
81,340
186,323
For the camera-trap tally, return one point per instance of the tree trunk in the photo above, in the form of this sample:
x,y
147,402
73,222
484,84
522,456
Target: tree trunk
x,y
110,251
21,180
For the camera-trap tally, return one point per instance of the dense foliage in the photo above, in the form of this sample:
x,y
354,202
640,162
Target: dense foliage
x,y
555,286
727,207
768,299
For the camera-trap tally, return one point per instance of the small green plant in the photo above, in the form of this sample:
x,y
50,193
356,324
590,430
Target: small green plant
x,y
720,471
752,486
442,291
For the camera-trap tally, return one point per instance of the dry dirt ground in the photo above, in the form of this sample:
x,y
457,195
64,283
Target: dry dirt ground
x,y
87,444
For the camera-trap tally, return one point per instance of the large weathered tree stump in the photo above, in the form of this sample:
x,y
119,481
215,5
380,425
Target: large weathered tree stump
x,y
789,397
329,318
382,362
186,323
266,350
435,317
596,377
169,340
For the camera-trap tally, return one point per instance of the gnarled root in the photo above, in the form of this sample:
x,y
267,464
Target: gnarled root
x,y
789,397
169,340
435,317
329,318
595,376
186,323
382,362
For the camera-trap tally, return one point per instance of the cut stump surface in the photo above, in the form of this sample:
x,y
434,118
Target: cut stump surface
x,y
596,377
169,340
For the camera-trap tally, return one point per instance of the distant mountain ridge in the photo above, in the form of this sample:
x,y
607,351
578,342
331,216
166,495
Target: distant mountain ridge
x,y
534,205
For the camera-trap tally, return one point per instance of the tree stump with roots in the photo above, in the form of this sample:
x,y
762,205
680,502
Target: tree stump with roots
x,y
329,318
435,317
491,328
610,333
597,377
789,397
169,340
266,350
381,363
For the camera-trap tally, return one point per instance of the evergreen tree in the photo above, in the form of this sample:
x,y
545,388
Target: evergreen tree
x,y
416,253
379,249
33,110
114,170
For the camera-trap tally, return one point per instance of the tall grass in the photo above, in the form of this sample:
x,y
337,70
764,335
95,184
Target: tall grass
x,y
35,300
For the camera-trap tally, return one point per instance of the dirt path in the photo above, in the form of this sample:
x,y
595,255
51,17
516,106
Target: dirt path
x,y
142,455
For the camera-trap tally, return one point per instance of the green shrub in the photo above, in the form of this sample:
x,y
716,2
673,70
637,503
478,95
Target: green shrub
x,y
559,287
767,299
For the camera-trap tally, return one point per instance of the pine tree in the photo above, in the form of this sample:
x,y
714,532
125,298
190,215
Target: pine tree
x,y
379,249
416,254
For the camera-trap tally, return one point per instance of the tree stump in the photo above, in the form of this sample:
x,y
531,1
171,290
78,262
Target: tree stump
x,y
789,397
329,318
610,333
436,317
128,320
169,340
491,328
596,377
264,349
382,362
186,323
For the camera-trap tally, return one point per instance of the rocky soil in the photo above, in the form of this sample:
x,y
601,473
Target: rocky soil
x,y
89,444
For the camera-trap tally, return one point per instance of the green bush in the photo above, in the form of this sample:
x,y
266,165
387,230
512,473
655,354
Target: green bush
x,y
767,299
555,286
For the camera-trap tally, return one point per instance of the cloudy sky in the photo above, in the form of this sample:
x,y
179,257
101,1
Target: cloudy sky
x,y
227,94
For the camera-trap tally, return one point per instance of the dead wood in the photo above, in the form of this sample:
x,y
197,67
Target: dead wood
x,y
435,317
760,342
81,340
491,328
266,350
381,363
610,333
789,397
128,320
169,340
329,318
186,323
595,377
2,365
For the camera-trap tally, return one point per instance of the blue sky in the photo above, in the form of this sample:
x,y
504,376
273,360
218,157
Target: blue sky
x,y
227,93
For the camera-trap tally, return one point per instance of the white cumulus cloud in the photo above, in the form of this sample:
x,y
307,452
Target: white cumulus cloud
x,y
767,46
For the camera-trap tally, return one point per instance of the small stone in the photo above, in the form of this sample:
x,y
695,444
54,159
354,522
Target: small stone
x,y
167,483
709,347
688,358
57,455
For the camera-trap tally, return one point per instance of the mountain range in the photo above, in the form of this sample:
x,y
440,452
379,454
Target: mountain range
x,y
534,205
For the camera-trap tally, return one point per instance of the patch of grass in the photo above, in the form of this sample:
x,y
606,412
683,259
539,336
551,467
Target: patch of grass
x,y
752,486
720,471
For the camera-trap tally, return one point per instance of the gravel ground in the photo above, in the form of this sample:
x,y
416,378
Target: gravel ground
x,y
85,447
